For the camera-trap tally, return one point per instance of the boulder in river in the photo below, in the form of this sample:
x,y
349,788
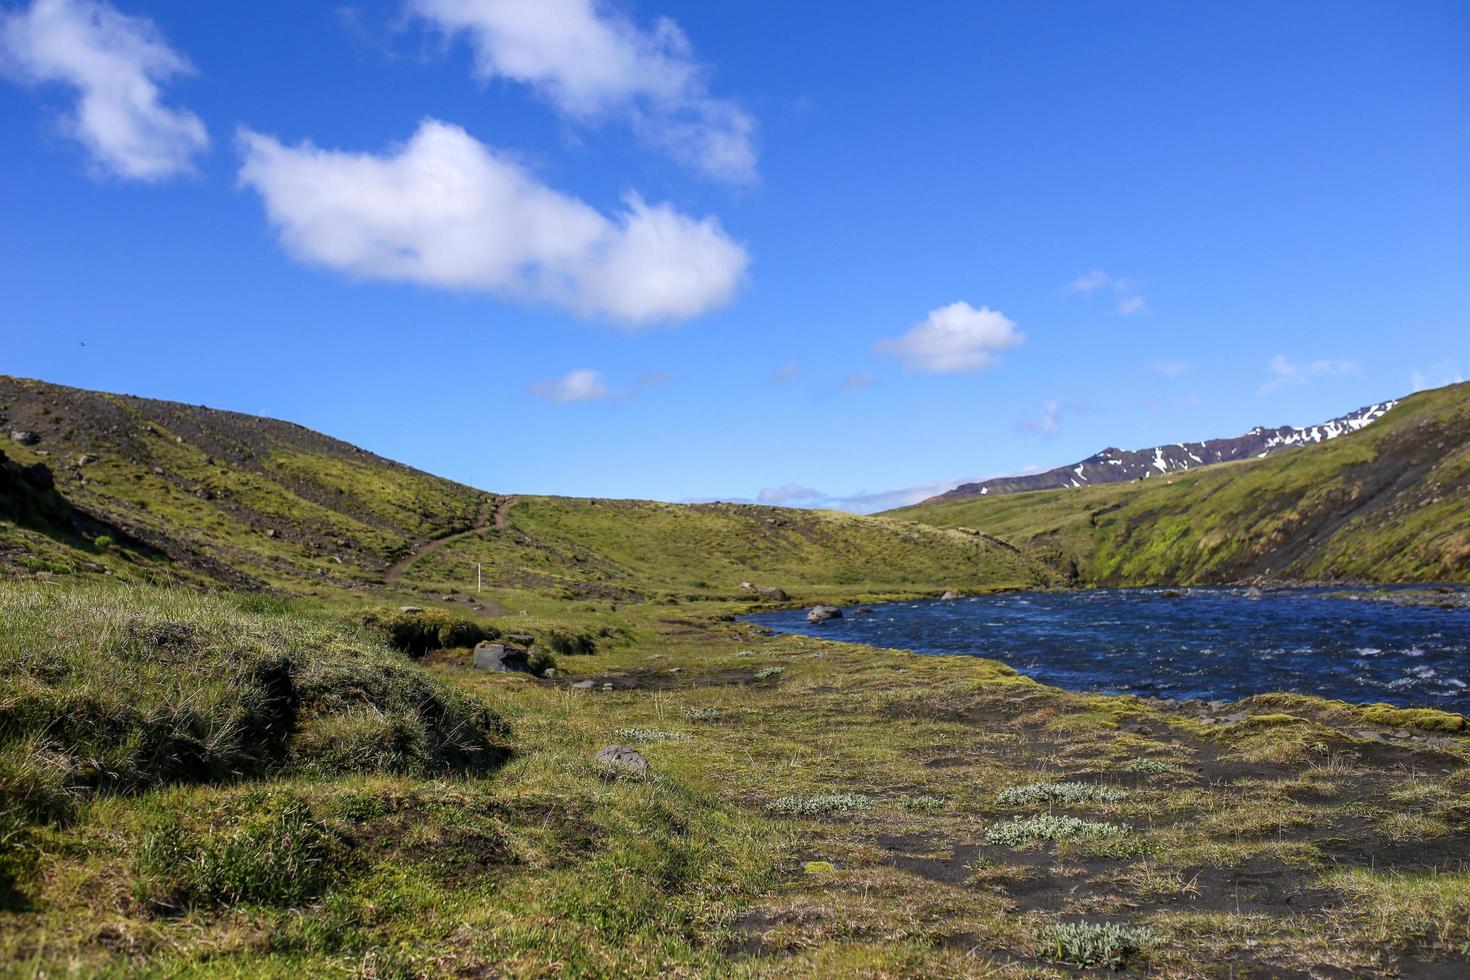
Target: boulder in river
x,y
820,614
951,596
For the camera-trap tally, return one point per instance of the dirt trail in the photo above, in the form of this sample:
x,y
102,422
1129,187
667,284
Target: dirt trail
x,y
484,519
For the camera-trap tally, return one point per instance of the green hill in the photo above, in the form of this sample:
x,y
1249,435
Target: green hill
x,y
1389,503
158,491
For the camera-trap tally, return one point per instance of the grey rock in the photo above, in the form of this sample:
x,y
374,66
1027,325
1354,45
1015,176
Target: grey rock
x,y
820,614
205,494
410,609
583,686
951,596
768,591
1253,593
24,438
500,658
549,673
521,639
623,759
86,459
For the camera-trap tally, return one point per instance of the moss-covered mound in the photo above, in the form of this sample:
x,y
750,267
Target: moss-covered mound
x,y
118,690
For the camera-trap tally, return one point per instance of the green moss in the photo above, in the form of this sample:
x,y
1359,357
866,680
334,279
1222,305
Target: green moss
x,y
1421,719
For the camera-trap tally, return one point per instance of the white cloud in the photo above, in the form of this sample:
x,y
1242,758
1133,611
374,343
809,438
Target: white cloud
x,y
115,63
592,62
1129,301
445,210
1286,373
789,493
582,385
1435,376
954,339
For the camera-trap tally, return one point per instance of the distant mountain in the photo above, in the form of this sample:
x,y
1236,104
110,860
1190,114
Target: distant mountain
x,y
1114,465
1389,502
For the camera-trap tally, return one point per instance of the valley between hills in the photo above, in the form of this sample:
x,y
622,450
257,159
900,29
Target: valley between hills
x,y
242,729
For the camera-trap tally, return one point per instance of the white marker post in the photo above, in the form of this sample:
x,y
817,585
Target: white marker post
x,y
479,579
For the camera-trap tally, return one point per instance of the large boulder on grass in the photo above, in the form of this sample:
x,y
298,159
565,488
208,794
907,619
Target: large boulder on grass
x,y
501,659
623,760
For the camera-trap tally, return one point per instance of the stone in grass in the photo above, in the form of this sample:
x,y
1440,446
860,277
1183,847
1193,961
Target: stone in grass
x,y
500,658
622,760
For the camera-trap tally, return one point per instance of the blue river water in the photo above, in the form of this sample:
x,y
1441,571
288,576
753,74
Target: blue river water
x,y
1212,644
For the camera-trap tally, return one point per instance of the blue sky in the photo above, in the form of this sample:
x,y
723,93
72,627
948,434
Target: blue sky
x,y
681,250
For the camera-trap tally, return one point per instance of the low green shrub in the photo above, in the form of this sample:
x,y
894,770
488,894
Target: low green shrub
x,y
569,643
1014,833
1088,944
416,632
924,804
1053,793
646,735
768,672
820,804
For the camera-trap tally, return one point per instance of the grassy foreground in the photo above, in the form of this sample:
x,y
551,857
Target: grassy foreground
x,y
813,809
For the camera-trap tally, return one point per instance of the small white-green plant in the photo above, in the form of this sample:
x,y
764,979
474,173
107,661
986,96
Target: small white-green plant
x,y
648,735
924,804
703,714
1105,944
766,672
1052,793
820,804
1151,766
1046,826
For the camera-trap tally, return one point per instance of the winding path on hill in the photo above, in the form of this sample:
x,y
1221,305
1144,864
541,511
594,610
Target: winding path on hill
x,y
486,518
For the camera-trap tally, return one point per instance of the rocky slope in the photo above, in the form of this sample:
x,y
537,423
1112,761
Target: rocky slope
x,y
1114,465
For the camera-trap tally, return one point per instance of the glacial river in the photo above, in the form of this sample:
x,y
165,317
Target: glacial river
x,y
1204,643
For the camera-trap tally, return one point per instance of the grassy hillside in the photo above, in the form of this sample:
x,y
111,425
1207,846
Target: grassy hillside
x,y
227,497
1390,503
156,491
620,549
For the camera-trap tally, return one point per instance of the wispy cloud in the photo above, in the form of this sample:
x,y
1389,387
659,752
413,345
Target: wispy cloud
x,y
786,373
1047,423
445,210
1435,376
115,63
1286,373
1127,299
857,381
788,494
581,385
593,62
954,339
588,385
1168,368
